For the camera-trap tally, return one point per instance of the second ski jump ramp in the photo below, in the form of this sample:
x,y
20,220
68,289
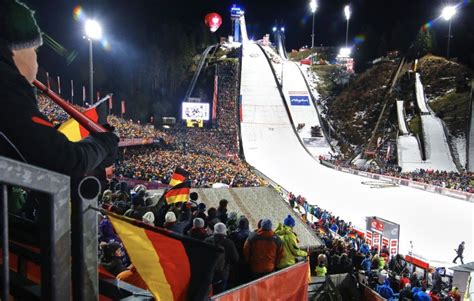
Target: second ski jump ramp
x,y
436,145
270,144
302,109
402,124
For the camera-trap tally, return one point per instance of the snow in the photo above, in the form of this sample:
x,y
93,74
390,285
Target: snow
x,y
409,154
460,144
436,224
436,144
402,124
420,96
294,85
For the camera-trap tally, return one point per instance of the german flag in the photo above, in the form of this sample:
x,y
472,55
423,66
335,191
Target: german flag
x,y
76,132
174,267
179,176
178,193
73,130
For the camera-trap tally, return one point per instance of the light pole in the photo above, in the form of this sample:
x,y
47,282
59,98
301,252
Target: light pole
x,y
313,5
347,13
448,14
93,32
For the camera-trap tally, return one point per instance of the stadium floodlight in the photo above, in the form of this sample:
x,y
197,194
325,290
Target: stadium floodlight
x,y
345,52
447,14
274,28
314,6
93,29
282,29
347,13
93,32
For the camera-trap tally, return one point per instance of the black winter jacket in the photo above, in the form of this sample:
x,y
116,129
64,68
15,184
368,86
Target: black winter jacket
x,y
32,134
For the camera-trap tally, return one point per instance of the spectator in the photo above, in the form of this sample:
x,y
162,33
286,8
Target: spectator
x,y
421,295
198,231
149,218
454,294
231,257
263,251
459,252
111,258
171,223
212,218
137,210
239,237
406,293
43,145
290,243
366,264
222,211
321,270
386,291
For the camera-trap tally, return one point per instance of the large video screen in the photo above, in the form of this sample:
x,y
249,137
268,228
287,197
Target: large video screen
x,y
195,110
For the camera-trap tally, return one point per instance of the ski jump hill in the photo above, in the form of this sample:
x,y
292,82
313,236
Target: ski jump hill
x,y
271,144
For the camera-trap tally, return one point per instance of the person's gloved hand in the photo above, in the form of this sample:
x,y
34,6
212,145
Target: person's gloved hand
x,y
110,142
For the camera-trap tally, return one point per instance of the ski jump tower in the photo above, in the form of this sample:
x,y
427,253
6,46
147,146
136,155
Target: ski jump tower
x,y
239,29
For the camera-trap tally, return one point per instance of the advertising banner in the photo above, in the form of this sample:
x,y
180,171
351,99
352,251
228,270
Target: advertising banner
x,y
288,284
195,110
300,100
384,233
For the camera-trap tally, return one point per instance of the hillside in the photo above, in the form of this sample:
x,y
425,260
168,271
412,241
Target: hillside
x,y
354,112
356,109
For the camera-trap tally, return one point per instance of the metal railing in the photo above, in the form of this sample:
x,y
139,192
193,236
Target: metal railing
x,y
54,225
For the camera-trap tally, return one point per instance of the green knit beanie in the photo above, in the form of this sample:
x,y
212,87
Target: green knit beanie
x,y
18,26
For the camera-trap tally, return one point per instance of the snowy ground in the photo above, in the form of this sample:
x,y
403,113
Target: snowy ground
x,y
294,87
436,144
436,224
402,124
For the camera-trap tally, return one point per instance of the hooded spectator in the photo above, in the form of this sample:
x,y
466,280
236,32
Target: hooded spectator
x,y
212,218
222,211
290,243
111,258
231,257
138,208
263,251
406,293
107,235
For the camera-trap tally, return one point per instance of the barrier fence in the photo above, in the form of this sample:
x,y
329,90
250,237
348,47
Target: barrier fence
x,y
465,196
288,284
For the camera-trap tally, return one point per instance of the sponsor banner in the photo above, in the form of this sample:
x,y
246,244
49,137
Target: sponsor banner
x,y
297,93
135,141
273,287
299,100
195,110
393,246
384,233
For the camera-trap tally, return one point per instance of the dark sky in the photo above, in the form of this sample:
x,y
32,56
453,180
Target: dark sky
x,y
122,19
128,25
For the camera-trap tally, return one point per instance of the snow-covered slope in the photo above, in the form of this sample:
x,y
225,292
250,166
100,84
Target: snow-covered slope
x,y
402,124
436,144
302,109
420,96
431,221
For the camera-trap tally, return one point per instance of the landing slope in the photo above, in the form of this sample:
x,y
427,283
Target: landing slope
x,y
271,145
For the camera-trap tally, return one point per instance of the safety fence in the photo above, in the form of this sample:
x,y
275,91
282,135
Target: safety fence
x,y
466,196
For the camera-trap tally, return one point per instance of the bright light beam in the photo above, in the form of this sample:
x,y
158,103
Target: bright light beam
x,y
93,29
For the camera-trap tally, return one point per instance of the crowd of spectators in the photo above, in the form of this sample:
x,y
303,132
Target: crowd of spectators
x,y
248,254
345,251
152,164
445,179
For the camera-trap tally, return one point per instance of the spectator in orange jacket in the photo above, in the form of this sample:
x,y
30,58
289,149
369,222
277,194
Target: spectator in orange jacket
x,y
263,250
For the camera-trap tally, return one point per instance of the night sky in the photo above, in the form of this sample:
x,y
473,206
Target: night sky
x,y
129,26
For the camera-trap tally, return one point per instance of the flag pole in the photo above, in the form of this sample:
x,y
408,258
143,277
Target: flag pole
x,y
83,120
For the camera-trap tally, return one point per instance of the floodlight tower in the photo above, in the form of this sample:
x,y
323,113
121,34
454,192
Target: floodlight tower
x,y
447,14
235,14
313,6
347,13
93,31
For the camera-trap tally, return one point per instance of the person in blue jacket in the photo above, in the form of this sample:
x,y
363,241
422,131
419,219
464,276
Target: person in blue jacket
x,y
420,295
386,291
